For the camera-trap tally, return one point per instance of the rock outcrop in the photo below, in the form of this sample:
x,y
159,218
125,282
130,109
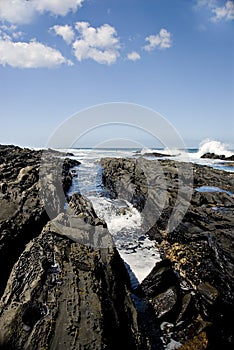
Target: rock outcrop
x,y
22,214
192,288
65,295
64,285
217,156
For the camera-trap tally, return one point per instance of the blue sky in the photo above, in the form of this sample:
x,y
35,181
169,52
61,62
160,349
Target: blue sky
x,y
60,57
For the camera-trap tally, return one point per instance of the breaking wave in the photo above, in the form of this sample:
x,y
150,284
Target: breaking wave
x,y
213,146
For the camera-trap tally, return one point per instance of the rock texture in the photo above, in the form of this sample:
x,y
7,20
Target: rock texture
x,y
191,290
59,289
22,214
65,295
64,285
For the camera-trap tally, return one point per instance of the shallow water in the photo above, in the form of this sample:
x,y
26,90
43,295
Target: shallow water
x,y
212,189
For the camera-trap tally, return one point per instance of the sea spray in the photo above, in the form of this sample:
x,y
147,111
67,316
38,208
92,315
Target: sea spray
x,y
213,146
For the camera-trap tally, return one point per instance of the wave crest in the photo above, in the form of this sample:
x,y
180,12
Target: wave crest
x,y
213,146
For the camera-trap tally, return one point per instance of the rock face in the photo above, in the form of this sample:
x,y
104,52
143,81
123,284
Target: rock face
x,y
65,295
56,292
193,289
22,214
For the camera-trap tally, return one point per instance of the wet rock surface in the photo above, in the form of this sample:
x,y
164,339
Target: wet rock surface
x,y
216,156
22,214
65,295
192,289
63,284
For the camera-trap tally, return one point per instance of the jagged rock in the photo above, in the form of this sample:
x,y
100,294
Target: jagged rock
x,y
83,208
216,156
65,292
160,278
69,288
64,295
22,214
161,287
200,247
165,302
55,180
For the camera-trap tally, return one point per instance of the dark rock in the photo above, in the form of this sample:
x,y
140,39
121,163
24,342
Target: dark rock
x,y
65,292
161,288
208,292
165,302
187,310
160,278
80,206
213,156
23,214
200,247
64,295
156,154
55,181
216,156
64,285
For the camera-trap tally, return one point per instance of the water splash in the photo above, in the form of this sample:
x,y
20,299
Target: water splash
x,y
213,146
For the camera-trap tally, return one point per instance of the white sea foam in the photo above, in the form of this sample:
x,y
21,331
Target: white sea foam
x,y
124,223
213,146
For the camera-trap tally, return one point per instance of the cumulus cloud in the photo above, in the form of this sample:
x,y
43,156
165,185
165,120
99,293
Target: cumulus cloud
x,y
16,11
134,56
162,40
22,11
57,7
66,32
100,44
225,12
29,55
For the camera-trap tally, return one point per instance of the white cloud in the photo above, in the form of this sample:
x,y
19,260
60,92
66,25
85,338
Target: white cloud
x,y
100,44
16,11
162,40
57,7
22,11
134,56
29,55
225,12
66,32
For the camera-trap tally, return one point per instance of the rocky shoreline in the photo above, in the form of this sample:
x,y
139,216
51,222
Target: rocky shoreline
x,y
191,289
57,293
